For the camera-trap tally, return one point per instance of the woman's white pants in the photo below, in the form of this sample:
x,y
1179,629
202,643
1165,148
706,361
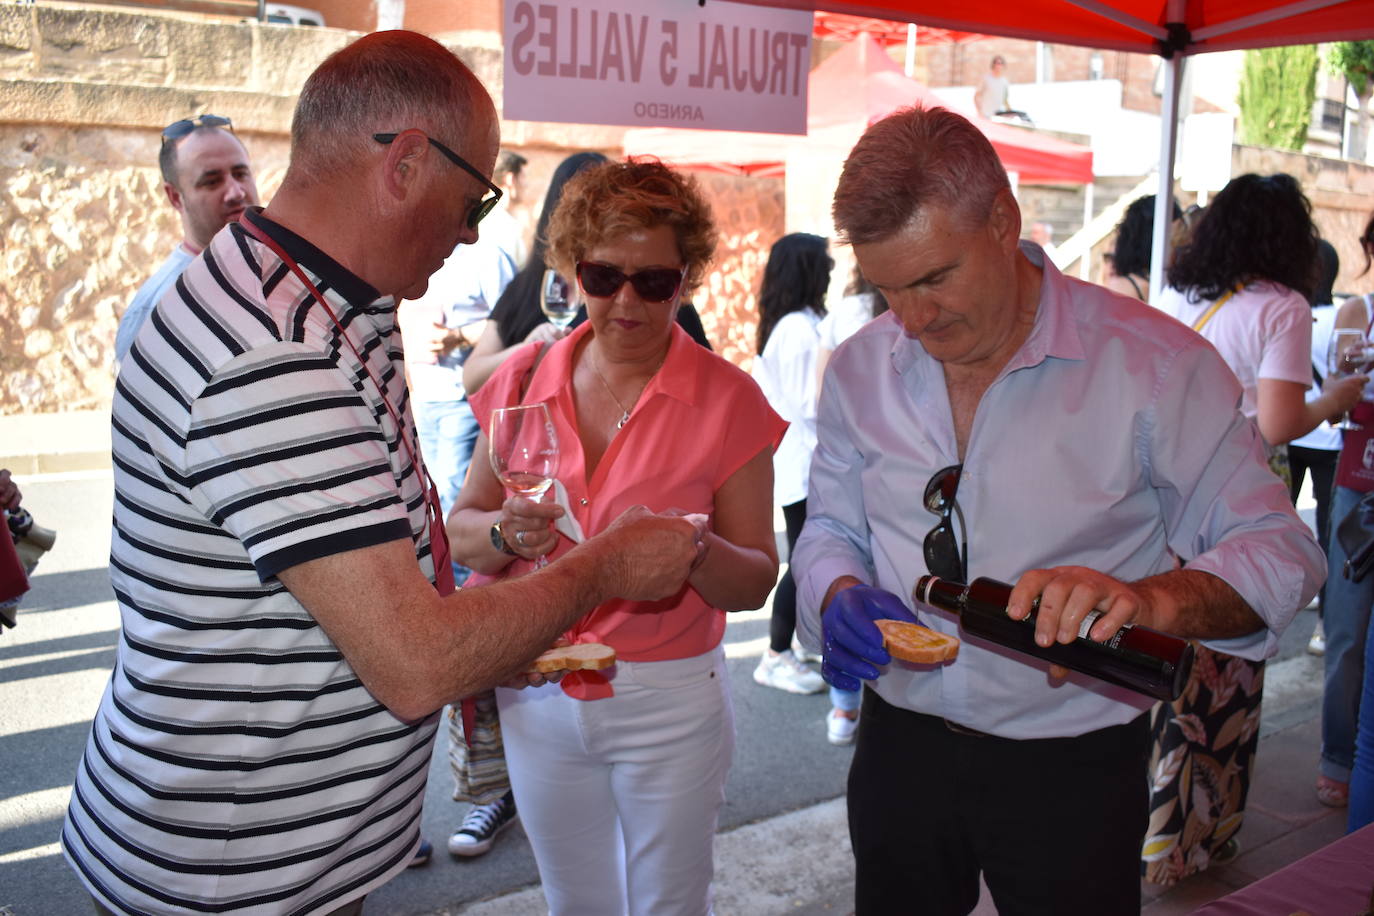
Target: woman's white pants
x,y
620,797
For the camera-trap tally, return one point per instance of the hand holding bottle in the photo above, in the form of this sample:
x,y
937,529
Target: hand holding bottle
x,y
853,642
1068,594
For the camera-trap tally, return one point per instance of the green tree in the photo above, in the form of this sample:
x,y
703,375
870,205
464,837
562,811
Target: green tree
x,y
1278,87
1355,61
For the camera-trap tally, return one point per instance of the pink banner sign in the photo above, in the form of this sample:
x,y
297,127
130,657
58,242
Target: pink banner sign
x,y
658,63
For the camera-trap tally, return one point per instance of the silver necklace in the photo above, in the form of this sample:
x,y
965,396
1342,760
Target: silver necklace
x,y
624,412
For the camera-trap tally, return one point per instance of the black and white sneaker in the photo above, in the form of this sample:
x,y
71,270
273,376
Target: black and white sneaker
x,y
481,827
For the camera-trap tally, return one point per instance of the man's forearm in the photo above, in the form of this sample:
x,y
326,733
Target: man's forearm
x,y
1198,605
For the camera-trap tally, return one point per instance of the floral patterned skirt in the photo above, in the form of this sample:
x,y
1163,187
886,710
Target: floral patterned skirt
x,y
1203,748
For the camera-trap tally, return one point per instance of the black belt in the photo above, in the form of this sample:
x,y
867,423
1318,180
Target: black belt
x,y
964,729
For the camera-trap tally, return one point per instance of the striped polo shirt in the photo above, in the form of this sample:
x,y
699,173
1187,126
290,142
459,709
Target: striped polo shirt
x,y
237,763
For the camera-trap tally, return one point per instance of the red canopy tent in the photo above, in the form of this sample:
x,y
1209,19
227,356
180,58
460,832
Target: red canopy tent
x,y
1129,25
1172,29
885,31
856,86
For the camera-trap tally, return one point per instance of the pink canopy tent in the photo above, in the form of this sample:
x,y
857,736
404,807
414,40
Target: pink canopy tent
x,y
856,86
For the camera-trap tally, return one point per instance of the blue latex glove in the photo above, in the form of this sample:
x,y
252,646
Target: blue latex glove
x,y
853,642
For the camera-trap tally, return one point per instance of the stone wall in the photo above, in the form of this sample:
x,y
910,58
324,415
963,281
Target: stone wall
x,y
1342,195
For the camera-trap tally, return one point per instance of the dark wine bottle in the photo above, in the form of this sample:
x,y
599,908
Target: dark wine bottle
x,y
1148,661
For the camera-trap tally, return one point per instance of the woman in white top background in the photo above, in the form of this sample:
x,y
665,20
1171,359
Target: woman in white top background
x,y
1242,281
791,305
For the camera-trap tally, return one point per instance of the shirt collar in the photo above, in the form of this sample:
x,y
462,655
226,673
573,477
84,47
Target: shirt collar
x,y
1055,332
358,292
682,366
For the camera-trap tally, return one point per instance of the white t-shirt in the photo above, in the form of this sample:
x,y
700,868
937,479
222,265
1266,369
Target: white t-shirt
x,y
1263,331
786,371
994,95
852,313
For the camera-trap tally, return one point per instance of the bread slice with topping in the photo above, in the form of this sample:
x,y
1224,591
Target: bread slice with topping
x,y
586,656
912,642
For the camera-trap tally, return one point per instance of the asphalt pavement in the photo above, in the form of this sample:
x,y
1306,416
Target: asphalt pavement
x,y
54,665
782,848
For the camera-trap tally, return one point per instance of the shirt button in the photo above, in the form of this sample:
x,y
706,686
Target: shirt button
x,y
583,500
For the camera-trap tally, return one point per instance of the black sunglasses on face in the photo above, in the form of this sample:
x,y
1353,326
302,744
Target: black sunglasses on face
x,y
946,557
483,206
657,284
178,129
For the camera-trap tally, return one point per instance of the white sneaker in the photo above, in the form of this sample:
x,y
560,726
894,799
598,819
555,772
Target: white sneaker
x,y
803,655
1317,644
784,672
840,729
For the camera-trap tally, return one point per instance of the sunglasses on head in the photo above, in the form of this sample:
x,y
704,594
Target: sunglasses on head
x,y
483,206
946,556
178,129
657,284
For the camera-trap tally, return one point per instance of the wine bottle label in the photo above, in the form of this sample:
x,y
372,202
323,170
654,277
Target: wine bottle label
x,y
1086,626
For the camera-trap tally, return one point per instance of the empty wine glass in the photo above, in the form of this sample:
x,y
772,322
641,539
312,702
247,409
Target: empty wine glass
x,y
524,451
557,300
1348,353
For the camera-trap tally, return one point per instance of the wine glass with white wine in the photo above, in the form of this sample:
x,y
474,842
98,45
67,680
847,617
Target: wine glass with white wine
x,y
1348,353
524,451
557,300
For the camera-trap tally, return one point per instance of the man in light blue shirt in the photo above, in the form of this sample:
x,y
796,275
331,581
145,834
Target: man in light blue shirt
x,y
1097,444
208,180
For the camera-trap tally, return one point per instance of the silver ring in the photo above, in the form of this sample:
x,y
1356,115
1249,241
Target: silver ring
x,y
520,538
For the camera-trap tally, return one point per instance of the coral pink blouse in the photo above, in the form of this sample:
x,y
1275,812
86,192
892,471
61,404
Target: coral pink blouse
x,y
699,420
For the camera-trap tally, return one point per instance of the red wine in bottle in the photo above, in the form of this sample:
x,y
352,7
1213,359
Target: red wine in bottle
x,y
1148,661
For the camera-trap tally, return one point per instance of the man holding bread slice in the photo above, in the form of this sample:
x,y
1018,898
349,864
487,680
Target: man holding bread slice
x,y
290,629
1076,443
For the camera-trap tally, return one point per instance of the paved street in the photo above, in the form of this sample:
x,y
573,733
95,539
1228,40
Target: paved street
x,y
783,847
54,665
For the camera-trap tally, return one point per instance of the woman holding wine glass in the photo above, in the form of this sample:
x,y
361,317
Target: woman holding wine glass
x,y
1346,616
1242,281
620,779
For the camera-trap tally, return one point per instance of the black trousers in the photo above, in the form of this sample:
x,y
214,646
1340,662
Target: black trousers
x,y
1322,463
1054,825
783,622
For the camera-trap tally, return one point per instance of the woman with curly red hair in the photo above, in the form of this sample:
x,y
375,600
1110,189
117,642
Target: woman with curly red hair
x,y
619,780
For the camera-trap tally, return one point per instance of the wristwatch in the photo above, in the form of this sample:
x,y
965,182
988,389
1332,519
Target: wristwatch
x,y
498,539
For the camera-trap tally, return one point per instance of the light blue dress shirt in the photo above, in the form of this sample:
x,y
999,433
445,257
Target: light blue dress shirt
x,y
153,289
1111,440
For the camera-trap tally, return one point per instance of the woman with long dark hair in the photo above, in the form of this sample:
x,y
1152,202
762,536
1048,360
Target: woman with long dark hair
x,y
791,305
1243,282
1134,249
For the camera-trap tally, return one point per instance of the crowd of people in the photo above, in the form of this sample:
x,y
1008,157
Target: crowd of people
x,y
311,566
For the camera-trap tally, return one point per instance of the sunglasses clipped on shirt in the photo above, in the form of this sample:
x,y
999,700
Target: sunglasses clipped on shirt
x,y
178,129
946,556
657,284
483,206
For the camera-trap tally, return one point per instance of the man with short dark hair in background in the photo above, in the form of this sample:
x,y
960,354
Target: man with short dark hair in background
x,y
208,180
